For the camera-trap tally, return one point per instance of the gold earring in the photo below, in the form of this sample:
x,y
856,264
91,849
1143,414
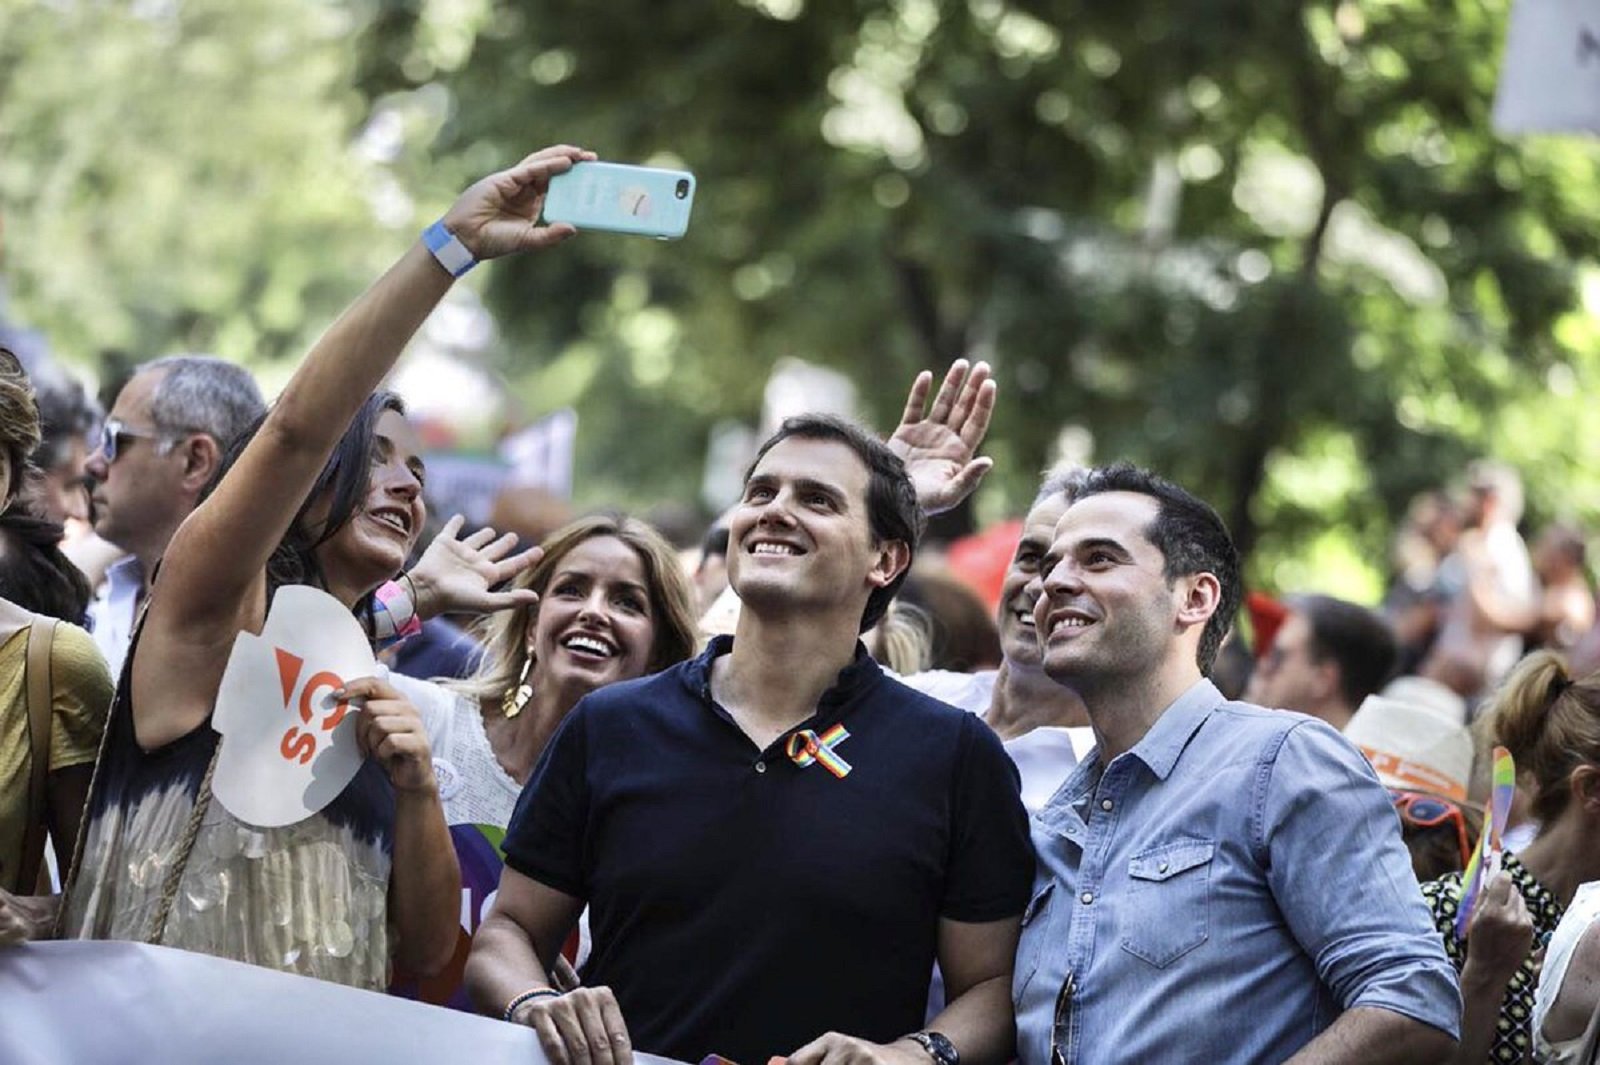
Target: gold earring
x,y
513,701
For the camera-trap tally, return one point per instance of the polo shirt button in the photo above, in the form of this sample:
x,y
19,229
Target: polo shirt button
x,y
1088,897
761,767
1106,805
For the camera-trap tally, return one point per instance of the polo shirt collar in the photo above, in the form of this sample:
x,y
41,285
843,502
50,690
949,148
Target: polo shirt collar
x,y
854,680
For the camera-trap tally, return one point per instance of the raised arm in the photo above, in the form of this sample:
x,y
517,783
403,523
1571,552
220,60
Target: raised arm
x,y
211,582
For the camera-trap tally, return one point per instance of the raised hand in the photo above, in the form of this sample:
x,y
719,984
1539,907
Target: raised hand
x,y
1500,930
939,448
500,214
461,575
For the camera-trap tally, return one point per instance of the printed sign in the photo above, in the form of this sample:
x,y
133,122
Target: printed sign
x,y
288,746
1551,79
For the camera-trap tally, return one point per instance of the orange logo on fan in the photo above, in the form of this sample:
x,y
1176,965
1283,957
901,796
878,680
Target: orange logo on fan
x,y
297,745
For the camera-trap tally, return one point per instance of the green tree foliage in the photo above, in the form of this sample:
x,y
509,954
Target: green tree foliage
x,y
1271,248
181,175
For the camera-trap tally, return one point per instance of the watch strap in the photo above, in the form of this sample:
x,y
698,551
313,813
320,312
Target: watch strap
x,y
448,249
939,1048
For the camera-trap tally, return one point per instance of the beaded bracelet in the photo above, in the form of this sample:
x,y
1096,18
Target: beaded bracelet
x,y
528,996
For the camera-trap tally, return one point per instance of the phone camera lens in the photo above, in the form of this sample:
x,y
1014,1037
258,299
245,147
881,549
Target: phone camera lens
x,y
683,189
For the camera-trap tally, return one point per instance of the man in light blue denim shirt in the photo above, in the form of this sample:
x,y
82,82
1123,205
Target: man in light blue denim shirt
x,y
1219,882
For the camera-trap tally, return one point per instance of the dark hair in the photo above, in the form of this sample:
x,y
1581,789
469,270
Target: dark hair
x,y
962,630
66,412
345,478
715,543
1357,639
1436,850
1550,722
1191,538
34,574
892,510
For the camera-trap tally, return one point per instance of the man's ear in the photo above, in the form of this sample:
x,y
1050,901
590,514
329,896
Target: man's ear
x,y
1202,595
893,558
201,457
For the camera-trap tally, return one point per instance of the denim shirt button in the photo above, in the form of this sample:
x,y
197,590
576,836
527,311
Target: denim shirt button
x,y
1088,897
1163,867
1106,805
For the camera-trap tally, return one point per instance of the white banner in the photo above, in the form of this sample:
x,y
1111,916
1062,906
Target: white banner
x,y
98,1003
1550,81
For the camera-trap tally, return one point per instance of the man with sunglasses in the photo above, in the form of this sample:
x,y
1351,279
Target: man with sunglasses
x,y
1327,656
1217,882
158,449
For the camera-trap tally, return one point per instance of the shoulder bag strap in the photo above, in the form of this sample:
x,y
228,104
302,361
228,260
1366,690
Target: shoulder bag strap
x,y
41,636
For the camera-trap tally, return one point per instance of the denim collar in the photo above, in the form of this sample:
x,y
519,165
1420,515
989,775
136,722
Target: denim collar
x,y
1161,746
1158,750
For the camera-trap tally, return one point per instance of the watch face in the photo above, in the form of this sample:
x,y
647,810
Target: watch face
x,y
940,1049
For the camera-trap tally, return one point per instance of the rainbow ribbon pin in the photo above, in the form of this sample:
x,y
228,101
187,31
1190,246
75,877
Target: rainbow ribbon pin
x,y
806,747
1485,860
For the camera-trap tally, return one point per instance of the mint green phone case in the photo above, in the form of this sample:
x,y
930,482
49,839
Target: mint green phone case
x,y
622,199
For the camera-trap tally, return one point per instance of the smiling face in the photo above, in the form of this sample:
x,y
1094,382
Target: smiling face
x,y
596,623
374,544
1107,611
1019,639
800,538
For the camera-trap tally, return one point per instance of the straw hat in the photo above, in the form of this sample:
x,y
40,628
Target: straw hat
x,y
1412,742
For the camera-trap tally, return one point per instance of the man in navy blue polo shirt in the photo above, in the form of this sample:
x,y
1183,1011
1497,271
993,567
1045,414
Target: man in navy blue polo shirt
x,y
775,840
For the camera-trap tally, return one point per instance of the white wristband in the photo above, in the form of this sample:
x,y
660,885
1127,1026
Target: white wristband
x,y
451,253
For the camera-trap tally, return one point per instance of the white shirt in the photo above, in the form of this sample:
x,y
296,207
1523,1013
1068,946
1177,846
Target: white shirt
x,y
113,610
474,788
1044,757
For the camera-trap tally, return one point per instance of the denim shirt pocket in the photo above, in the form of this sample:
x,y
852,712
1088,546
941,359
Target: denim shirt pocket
x,y
1170,900
1035,929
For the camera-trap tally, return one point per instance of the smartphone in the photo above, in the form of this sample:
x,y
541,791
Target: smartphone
x,y
622,199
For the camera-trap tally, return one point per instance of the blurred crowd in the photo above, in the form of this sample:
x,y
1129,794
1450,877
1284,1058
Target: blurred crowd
x,y
800,784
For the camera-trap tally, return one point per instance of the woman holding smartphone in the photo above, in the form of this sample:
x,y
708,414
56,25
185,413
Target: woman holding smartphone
x,y
327,491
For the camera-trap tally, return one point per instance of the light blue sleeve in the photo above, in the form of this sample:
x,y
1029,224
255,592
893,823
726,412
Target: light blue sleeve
x,y
1342,877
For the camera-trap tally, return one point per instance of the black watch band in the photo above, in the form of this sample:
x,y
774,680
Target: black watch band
x,y
940,1049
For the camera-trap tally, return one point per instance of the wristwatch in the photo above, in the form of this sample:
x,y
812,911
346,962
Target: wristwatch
x,y
940,1049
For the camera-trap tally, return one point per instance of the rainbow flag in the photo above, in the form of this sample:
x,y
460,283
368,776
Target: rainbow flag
x,y
1485,860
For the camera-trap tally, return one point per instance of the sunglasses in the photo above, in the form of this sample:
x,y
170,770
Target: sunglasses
x,y
1429,811
1059,1036
113,431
